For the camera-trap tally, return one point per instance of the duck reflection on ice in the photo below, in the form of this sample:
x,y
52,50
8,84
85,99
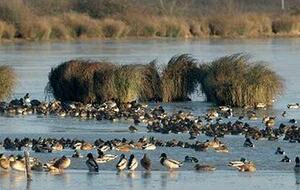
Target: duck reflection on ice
x,y
168,176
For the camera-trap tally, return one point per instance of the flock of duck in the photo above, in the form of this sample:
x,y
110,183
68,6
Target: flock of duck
x,y
49,145
156,120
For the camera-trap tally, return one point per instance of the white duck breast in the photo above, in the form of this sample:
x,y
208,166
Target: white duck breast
x,y
122,164
106,158
133,164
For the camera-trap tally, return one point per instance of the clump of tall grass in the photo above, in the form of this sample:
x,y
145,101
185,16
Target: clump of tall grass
x,y
74,80
87,81
7,81
127,83
180,78
234,80
81,25
7,31
172,27
112,28
285,24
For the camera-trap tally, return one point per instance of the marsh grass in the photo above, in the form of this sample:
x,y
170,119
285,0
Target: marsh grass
x,y
7,81
180,78
234,80
87,81
7,31
112,28
74,80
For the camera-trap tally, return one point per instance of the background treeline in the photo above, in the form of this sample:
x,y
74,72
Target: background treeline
x,y
72,19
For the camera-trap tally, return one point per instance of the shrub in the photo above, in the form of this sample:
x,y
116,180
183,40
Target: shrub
x,y
180,78
234,81
7,81
112,28
7,31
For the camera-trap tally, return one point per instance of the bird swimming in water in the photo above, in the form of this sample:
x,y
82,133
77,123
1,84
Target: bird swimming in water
x,y
286,159
91,163
121,165
280,151
132,163
169,163
190,159
248,143
4,162
146,163
206,168
297,166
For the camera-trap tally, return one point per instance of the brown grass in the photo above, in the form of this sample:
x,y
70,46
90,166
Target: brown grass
x,y
112,28
235,81
7,81
7,31
180,78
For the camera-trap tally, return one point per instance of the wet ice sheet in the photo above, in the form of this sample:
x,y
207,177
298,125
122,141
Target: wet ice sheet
x,y
225,180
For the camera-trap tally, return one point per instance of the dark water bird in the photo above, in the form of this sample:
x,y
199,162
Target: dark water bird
x,y
91,163
280,151
146,163
248,143
207,168
190,159
121,165
286,159
170,164
76,154
284,114
132,163
132,129
297,166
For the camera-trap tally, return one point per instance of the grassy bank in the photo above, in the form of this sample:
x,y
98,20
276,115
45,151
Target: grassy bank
x,y
74,19
231,80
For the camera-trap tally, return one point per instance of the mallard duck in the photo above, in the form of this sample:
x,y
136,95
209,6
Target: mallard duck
x,y
132,163
84,146
149,146
146,163
124,148
91,163
248,143
169,163
190,159
57,147
4,162
77,154
62,163
132,129
286,159
17,164
103,158
237,163
205,168
222,149
293,106
297,166
284,114
121,165
280,151
247,167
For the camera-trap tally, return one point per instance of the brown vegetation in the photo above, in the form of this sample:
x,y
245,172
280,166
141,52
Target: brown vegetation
x,y
73,19
7,81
